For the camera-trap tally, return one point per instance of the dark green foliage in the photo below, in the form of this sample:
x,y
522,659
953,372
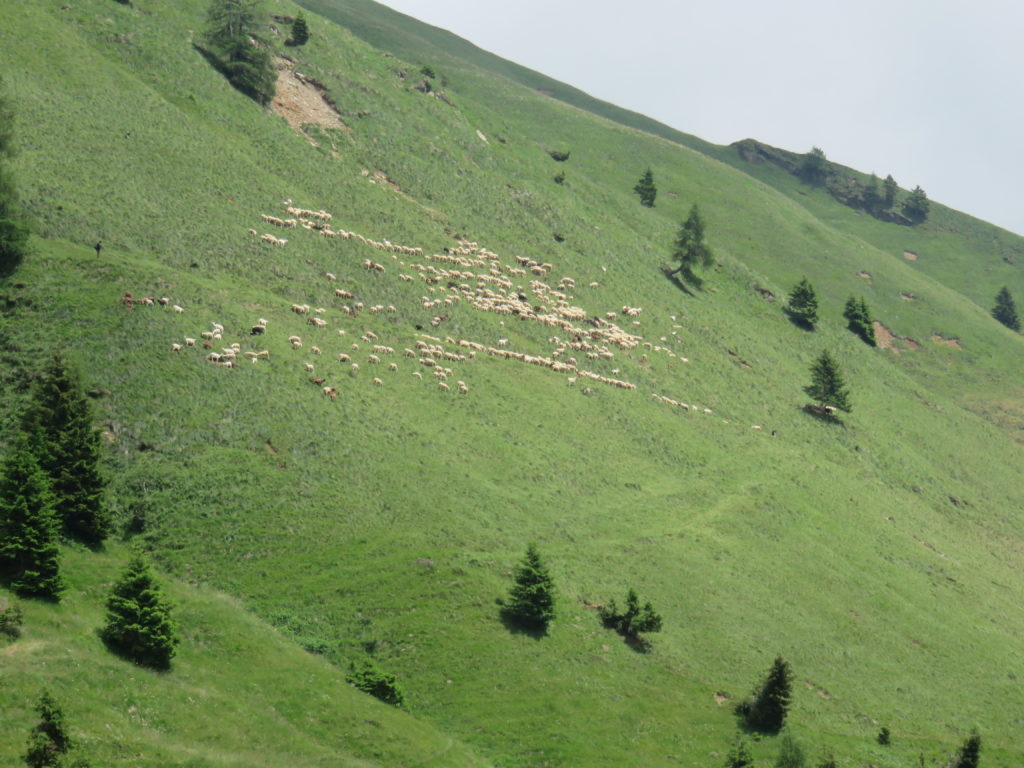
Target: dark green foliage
x,y
766,710
889,195
739,755
69,452
803,303
634,619
29,555
872,197
531,603
646,189
13,231
232,26
858,320
10,621
1005,311
428,71
139,625
970,752
827,388
691,250
884,737
814,167
300,31
791,754
560,177
372,680
557,156
48,739
916,206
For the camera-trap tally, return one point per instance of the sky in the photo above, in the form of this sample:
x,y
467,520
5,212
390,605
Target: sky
x,y
929,91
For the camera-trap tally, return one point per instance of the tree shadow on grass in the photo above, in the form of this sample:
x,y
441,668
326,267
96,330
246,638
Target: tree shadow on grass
x,y
673,276
823,413
517,626
799,322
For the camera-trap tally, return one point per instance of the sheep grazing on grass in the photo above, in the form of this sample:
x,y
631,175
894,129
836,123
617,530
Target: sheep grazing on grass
x,y
309,367
331,392
189,342
176,347
344,358
392,366
257,330
378,383
315,350
417,374
178,309
443,387
462,387
330,276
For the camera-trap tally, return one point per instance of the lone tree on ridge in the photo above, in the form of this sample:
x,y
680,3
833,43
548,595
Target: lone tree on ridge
x,y
1005,311
646,189
827,388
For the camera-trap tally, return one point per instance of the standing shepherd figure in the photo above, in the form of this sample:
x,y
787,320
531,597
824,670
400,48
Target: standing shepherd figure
x,y
98,247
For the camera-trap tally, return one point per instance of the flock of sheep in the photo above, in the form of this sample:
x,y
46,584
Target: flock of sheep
x,y
467,275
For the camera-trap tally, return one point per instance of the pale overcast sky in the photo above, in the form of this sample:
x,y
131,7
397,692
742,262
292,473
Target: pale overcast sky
x,y
928,90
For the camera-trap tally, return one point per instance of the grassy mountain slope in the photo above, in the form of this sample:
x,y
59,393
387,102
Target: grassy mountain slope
x,y
880,556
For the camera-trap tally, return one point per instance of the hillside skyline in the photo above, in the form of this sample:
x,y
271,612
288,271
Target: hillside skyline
x,y
890,97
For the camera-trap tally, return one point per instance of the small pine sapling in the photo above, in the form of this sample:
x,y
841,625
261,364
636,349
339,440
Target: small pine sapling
x,y
803,304
827,388
531,603
139,624
1005,311
369,678
48,740
646,190
634,620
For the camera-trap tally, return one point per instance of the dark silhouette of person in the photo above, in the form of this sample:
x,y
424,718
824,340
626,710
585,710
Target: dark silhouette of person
x,y
98,247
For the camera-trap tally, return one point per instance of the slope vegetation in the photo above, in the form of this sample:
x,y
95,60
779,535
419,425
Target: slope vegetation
x,y
878,555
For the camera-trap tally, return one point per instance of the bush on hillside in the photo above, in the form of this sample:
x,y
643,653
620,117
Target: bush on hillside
x,y
138,624
1005,311
633,620
916,206
236,48
969,753
48,740
11,619
300,31
767,708
791,754
370,679
858,320
645,189
814,167
557,156
739,755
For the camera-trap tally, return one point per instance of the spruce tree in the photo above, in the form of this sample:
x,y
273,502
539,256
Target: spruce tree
x,y
369,678
634,620
814,167
69,452
531,602
691,249
803,303
139,624
767,710
645,189
1005,311
29,554
858,319
827,387
889,195
48,740
13,232
300,31
239,50
970,752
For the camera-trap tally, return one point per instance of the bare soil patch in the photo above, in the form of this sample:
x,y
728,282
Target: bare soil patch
x,y
884,337
910,256
300,100
907,296
721,697
946,342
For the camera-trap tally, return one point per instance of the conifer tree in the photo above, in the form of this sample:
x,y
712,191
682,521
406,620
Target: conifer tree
x,y
1005,311
69,452
232,28
634,620
970,752
531,602
767,710
858,318
814,167
300,31
691,249
803,303
48,740
916,206
827,387
645,189
369,678
890,188
739,755
29,554
139,624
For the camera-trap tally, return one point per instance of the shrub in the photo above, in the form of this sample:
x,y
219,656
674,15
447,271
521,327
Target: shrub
x,y
370,679
884,736
138,624
10,621
557,156
634,619
970,753
739,756
560,177
48,739
300,31
791,755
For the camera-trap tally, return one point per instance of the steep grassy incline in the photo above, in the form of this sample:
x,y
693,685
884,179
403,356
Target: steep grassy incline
x,y
239,694
881,556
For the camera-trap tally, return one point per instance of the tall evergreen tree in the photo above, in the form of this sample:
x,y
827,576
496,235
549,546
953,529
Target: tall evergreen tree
x,y
300,31
766,711
531,602
48,740
890,188
1005,311
970,753
691,250
646,189
29,554
916,206
69,451
240,51
827,387
803,303
139,624
13,232
858,319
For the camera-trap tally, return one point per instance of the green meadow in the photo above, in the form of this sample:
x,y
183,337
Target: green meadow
x,y
297,533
